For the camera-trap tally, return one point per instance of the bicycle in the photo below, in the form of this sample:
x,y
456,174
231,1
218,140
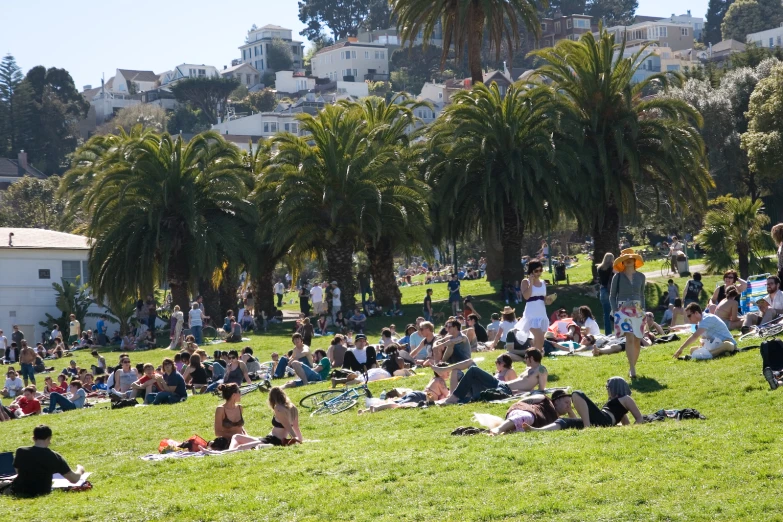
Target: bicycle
x,y
666,266
334,401
763,331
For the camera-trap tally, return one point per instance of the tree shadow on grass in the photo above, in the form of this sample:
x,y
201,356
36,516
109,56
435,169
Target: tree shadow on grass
x,y
646,385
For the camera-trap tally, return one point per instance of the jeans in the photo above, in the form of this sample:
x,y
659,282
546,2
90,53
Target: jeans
x,y
212,387
162,398
335,309
476,381
56,399
312,376
427,316
27,370
607,306
196,331
280,369
279,300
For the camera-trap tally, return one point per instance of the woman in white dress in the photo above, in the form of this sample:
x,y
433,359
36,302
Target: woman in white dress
x,y
177,318
534,319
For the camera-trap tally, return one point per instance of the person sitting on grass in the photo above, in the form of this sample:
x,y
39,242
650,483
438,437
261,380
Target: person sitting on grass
x,y
75,399
477,380
730,278
234,332
99,367
361,357
26,404
358,320
235,371
422,352
715,335
651,329
394,363
309,375
172,385
123,378
229,417
614,412
13,385
505,368
253,366
453,348
35,466
537,411
60,387
285,425
301,353
195,374
728,309
675,315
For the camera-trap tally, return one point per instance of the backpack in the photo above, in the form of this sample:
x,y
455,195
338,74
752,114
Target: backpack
x,y
772,354
124,403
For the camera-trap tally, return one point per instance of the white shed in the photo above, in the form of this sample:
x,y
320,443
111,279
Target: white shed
x,y
31,259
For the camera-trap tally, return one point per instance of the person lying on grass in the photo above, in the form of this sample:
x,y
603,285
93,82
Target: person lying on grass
x,y
26,404
435,390
309,375
285,425
537,411
477,380
614,412
716,339
36,464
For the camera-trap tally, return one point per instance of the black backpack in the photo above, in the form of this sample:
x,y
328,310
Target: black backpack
x,y
772,354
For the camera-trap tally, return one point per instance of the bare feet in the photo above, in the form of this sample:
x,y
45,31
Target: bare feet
x,y
596,352
527,427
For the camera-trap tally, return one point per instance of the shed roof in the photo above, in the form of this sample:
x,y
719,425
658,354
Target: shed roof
x,y
42,239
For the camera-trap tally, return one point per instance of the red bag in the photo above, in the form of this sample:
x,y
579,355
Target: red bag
x,y
194,443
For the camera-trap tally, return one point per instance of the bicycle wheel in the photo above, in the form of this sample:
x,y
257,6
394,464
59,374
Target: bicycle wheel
x,y
315,400
770,331
341,405
754,332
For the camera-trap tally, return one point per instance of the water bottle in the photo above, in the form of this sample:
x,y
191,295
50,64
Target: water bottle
x,y
383,395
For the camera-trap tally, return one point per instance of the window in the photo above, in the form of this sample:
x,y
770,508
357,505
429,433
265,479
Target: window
x,y
287,127
377,55
44,274
353,54
440,95
273,126
266,127
191,73
202,73
779,43
569,23
247,79
262,64
770,42
261,50
72,270
557,27
295,128
355,73
243,55
581,23
366,55
347,55
664,31
684,31
543,26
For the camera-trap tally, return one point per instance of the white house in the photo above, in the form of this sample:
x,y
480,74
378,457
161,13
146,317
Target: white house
x,y
352,59
289,82
188,70
244,72
31,260
141,80
255,50
769,38
260,124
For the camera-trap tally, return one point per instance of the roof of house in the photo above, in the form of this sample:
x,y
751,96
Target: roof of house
x,y
9,168
726,45
138,76
43,239
348,43
237,67
273,26
496,76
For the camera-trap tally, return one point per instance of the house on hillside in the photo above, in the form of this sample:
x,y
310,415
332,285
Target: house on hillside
x,y
188,70
255,50
13,170
31,260
245,73
352,61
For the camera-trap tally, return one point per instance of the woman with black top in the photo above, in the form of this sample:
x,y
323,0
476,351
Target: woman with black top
x,y
285,425
730,278
195,374
304,300
614,412
605,273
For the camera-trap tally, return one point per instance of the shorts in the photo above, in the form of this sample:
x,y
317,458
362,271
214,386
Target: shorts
x,y
27,371
413,397
520,417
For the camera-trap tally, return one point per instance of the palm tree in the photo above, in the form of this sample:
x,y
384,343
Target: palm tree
x,y
735,229
629,139
404,214
162,209
465,23
328,189
493,164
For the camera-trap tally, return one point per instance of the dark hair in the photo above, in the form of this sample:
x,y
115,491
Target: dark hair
x,y
429,290
94,352
42,432
296,335
185,358
229,312
247,350
392,348
678,302
774,278
533,354
730,273
233,353
731,291
454,324
177,357
30,389
386,332
167,360
586,313
693,308
216,355
228,389
506,360
323,353
473,317
194,361
441,364
533,265
696,276
495,317
77,383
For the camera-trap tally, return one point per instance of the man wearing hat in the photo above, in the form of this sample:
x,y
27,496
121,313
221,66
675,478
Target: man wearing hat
x,y
337,304
361,357
537,411
626,296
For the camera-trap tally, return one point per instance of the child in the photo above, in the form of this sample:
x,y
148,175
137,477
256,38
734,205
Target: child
x,y
72,369
26,404
100,384
674,291
100,367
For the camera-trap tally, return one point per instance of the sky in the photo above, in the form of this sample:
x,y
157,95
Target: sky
x,y
90,39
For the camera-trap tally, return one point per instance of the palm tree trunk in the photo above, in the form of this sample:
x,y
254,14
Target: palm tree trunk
x,y
339,267
177,277
494,253
605,232
263,291
381,256
475,41
511,239
227,291
211,298
743,254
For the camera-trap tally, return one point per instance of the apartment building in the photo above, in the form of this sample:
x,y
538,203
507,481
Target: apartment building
x,y
695,22
769,38
352,60
561,28
255,50
665,33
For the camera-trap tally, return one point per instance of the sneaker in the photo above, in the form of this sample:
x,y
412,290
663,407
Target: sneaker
x,y
773,383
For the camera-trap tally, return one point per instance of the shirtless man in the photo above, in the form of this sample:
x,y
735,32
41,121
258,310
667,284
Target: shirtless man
x,y
728,309
477,380
26,362
423,352
454,348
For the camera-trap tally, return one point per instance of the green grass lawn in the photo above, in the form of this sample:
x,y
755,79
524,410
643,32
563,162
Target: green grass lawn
x,y
404,465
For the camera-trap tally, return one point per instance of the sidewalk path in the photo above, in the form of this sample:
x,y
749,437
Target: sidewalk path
x,y
657,274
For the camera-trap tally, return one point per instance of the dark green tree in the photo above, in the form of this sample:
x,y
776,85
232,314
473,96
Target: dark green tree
x,y
262,101
716,11
613,12
10,78
208,94
187,120
750,16
566,7
279,56
33,203
342,20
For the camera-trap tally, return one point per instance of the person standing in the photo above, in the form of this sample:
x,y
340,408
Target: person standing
x,y
337,303
152,314
627,298
534,319
605,273
428,305
36,464
454,297
3,345
74,330
304,299
777,236
26,362
317,299
279,289
177,319
196,320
